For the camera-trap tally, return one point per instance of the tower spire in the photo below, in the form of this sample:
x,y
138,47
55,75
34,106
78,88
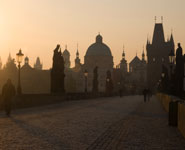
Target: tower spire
x,y
171,38
77,53
143,54
123,54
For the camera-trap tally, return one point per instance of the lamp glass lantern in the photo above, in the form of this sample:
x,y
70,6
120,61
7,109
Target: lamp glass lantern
x,y
19,56
163,74
85,73
171,57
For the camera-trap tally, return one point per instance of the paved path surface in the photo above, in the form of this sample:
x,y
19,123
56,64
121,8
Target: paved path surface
x,y
107,123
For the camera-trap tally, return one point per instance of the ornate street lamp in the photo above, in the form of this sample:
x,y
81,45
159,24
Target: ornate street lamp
x,y
171,60
163,75
86,75
19,60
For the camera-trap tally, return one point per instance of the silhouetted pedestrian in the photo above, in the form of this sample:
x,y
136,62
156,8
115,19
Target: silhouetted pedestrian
x,y
149,94
8,92
145,94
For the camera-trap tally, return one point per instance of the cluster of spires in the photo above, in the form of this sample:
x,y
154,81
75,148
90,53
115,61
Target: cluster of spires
x,y
123,54
37,64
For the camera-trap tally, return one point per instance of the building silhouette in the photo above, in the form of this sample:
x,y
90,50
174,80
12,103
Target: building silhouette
x,y
38,64
133,76
157,54
98,54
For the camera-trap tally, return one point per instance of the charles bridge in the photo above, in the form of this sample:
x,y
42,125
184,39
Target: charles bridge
x,y
86,122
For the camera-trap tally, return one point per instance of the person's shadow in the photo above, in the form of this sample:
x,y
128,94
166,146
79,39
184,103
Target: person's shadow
x,y
41,134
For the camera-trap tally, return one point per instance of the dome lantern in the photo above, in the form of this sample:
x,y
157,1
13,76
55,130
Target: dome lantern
x,y
99,39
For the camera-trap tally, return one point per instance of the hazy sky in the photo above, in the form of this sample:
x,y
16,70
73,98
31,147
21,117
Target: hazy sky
x,y
37,26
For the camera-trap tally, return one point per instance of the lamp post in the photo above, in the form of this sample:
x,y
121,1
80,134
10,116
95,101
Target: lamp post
x,y
19,60
163,82
171,60
163,75
107,86
86,75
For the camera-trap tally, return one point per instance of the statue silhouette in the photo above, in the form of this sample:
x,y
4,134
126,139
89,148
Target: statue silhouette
x,y
57,72
179,71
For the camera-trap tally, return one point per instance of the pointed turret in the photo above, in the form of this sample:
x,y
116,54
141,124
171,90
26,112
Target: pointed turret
x,y
77,53
123,54
38,65
123,63
9,58
158,36
77,60
143,55
172,40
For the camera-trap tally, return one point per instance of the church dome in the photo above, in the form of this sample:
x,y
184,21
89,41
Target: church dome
x,y
98,48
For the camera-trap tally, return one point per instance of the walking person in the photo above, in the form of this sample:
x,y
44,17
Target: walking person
x,y
149,94
8,92
145,94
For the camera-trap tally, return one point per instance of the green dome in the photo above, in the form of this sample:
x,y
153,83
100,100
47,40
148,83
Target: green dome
x,y
98,48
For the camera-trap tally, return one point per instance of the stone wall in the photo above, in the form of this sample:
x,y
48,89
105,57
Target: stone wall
x,y
181,118
32,100
165,100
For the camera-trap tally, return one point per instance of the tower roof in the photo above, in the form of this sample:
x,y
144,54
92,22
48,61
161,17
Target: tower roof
x,y
171,39
136,60
158,36
66,52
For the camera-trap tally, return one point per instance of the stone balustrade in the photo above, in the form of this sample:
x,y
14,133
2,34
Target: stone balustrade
x,y
165,100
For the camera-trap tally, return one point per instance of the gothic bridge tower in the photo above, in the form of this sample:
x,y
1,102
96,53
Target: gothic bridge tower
x,y
157,55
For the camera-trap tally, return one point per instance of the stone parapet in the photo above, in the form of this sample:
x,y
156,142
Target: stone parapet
x,y
181,118
165,100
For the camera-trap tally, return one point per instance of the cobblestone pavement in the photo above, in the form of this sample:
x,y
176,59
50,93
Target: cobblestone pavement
x,y
146,128
106,123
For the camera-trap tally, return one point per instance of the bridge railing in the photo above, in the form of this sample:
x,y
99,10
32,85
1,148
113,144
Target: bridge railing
x,y
175,108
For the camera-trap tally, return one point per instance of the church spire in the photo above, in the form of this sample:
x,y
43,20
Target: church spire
x,y
123,54
171,38
77,59
9,58
143,54
77,53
